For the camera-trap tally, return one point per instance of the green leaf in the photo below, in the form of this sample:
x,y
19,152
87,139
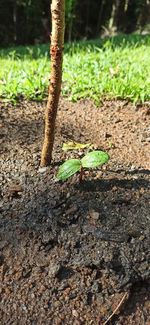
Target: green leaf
x,y
94,159
75,146
68,168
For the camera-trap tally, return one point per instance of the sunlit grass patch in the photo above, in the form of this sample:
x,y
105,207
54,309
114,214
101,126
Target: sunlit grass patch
x,y
113,68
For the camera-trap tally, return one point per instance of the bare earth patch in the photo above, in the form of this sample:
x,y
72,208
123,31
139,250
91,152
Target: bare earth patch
x,y
75,253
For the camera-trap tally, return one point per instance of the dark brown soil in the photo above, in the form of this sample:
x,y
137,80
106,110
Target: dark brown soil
x,y
73,253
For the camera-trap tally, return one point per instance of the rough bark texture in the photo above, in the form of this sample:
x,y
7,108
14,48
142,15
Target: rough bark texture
x,y
56,50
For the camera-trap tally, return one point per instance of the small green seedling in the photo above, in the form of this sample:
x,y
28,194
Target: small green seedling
x,y
92,159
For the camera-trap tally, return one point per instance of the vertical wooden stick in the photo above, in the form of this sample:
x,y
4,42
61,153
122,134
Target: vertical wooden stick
x,y
56,51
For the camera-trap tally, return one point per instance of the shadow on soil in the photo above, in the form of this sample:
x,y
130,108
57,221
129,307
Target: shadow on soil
x,y
105,185
86,195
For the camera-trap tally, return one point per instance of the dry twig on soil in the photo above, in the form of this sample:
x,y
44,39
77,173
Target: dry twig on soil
x,y
117,308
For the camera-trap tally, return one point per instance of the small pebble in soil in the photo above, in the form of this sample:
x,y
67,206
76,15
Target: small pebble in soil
x,y
42,170
54,268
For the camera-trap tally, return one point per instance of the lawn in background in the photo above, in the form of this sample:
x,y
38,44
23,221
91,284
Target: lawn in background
x,y
117,67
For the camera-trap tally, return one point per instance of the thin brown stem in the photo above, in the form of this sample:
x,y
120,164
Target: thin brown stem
x,y
81,175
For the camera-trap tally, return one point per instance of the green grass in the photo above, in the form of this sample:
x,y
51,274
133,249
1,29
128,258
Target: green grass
x,y
113,68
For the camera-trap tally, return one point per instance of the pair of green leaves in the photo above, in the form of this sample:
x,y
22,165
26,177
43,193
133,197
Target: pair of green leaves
x,y
92,159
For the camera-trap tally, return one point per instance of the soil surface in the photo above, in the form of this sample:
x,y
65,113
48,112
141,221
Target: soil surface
x,y
75,253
